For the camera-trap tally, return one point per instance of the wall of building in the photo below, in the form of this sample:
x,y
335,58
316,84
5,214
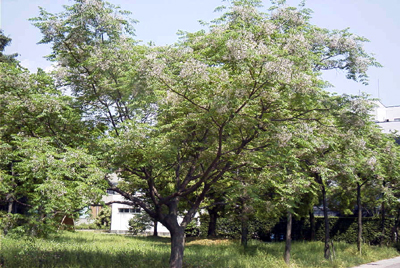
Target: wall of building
x,y
388,118
120,219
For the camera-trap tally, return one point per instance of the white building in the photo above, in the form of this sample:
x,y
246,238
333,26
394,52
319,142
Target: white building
x,y
121,214
387,117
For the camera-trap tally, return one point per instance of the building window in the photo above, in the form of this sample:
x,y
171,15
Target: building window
x,y
134,210
110,192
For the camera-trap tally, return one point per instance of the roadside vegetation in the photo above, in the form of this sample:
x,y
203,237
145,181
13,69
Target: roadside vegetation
x,y
91,249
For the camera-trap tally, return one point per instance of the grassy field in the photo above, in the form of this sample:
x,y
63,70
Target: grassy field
x,y
87,249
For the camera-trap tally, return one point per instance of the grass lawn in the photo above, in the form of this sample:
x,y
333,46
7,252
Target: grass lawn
x,y
87,249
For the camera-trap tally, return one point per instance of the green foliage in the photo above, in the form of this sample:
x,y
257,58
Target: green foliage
x,y
5,41
193,229
45,170
103,219
140,223
91,226
230,227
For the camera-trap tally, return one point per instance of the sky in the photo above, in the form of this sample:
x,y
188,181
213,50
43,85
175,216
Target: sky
x,y
160,20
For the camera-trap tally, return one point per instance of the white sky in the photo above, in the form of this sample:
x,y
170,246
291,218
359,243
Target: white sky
x,y
159,20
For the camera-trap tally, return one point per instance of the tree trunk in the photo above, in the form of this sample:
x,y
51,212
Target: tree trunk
x,y
245,232
312,226
288,245
177,234
327,251
359,218
177,247
383,218
7,224
155,231
382,224
212,225
396,227
10,204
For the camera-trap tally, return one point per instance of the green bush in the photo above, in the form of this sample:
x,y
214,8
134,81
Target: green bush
x,y
103,219
18,225
192,229
91,226
140,223
230,227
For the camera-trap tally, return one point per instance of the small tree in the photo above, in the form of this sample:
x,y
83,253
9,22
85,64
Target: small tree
x,y
140,223
103,219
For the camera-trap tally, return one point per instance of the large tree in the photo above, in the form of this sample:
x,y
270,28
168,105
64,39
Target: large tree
x,y
180,117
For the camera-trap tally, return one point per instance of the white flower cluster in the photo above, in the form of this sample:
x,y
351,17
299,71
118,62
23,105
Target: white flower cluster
x,y
283,136
280,69
222,109
360,144
52,27
267,27
360,106
288,16
245,13
319,38
156,68
371,161
97,4
172,98
194,69
296,41
360,64
54,188
238,49
339,42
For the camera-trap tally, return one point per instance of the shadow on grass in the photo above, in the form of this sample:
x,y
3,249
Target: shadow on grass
x,y
154,239
107,237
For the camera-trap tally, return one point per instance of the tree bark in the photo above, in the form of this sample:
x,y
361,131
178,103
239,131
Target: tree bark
x,y
396,227
212,225
177,247
177,234
327,251
288,245
383,212
7,225
245,231
312,226
10,203
382,224
155,230
359,218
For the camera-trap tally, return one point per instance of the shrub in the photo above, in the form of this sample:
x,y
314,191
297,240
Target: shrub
x,y
140,223
103,219
230,227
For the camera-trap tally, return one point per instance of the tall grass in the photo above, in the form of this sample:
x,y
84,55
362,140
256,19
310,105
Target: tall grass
x,y
83,249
